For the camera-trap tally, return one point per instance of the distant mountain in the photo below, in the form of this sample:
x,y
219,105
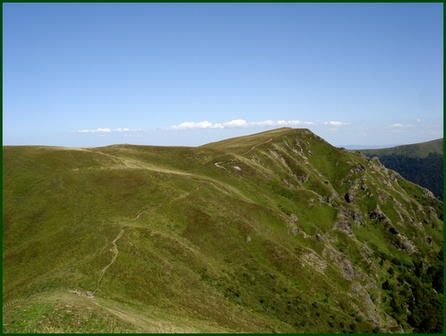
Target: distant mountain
x,y
273,232
418,150
420,163
361,147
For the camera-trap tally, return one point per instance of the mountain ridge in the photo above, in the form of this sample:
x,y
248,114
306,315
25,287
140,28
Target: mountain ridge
x,y
272,232
415,150
421,163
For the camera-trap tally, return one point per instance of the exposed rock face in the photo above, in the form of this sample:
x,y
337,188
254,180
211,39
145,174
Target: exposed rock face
x,y
349,197
294,230
393,230
406,245
359,168
341,261
371,311
343,223
347,267
314,261
347,216
377,215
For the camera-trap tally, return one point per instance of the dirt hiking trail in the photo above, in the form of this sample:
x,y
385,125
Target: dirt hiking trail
x,y
115,256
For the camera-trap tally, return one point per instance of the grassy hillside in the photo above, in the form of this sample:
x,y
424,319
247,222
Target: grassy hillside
x,y
421,163
274,232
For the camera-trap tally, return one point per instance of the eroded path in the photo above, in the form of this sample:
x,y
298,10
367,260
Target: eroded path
x,y
115,256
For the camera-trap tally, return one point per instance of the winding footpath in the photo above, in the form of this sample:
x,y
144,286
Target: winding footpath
x,y
115,256
164,204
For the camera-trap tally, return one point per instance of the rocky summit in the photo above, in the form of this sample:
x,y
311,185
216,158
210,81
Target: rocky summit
x,y
273,232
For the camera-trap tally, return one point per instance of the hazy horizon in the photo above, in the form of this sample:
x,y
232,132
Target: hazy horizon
x,y
346,146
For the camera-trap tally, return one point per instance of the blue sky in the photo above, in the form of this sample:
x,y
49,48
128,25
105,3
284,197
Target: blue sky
x,y
187,74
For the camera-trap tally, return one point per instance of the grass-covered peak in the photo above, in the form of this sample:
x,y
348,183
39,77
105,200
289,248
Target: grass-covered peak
x,y
274,232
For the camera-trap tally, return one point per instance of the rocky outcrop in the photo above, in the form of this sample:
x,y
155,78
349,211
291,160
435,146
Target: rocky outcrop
x,y
349,197
346,217
377,214
344,264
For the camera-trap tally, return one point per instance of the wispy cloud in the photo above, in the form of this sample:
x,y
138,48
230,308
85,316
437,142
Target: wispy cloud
x,y
235,123
401,126
335,123
107,130
97,130
195,125
240,123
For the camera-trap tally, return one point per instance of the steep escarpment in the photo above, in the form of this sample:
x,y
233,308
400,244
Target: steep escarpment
x,y
274,232
420,163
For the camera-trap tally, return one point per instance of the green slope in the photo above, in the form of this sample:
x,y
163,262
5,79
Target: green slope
x,y
274,232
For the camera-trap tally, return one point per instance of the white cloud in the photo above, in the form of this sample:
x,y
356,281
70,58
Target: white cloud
x,y
236,123
264,123
335,123
206,124
240,123
97,130
397,127
294,122
194,125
